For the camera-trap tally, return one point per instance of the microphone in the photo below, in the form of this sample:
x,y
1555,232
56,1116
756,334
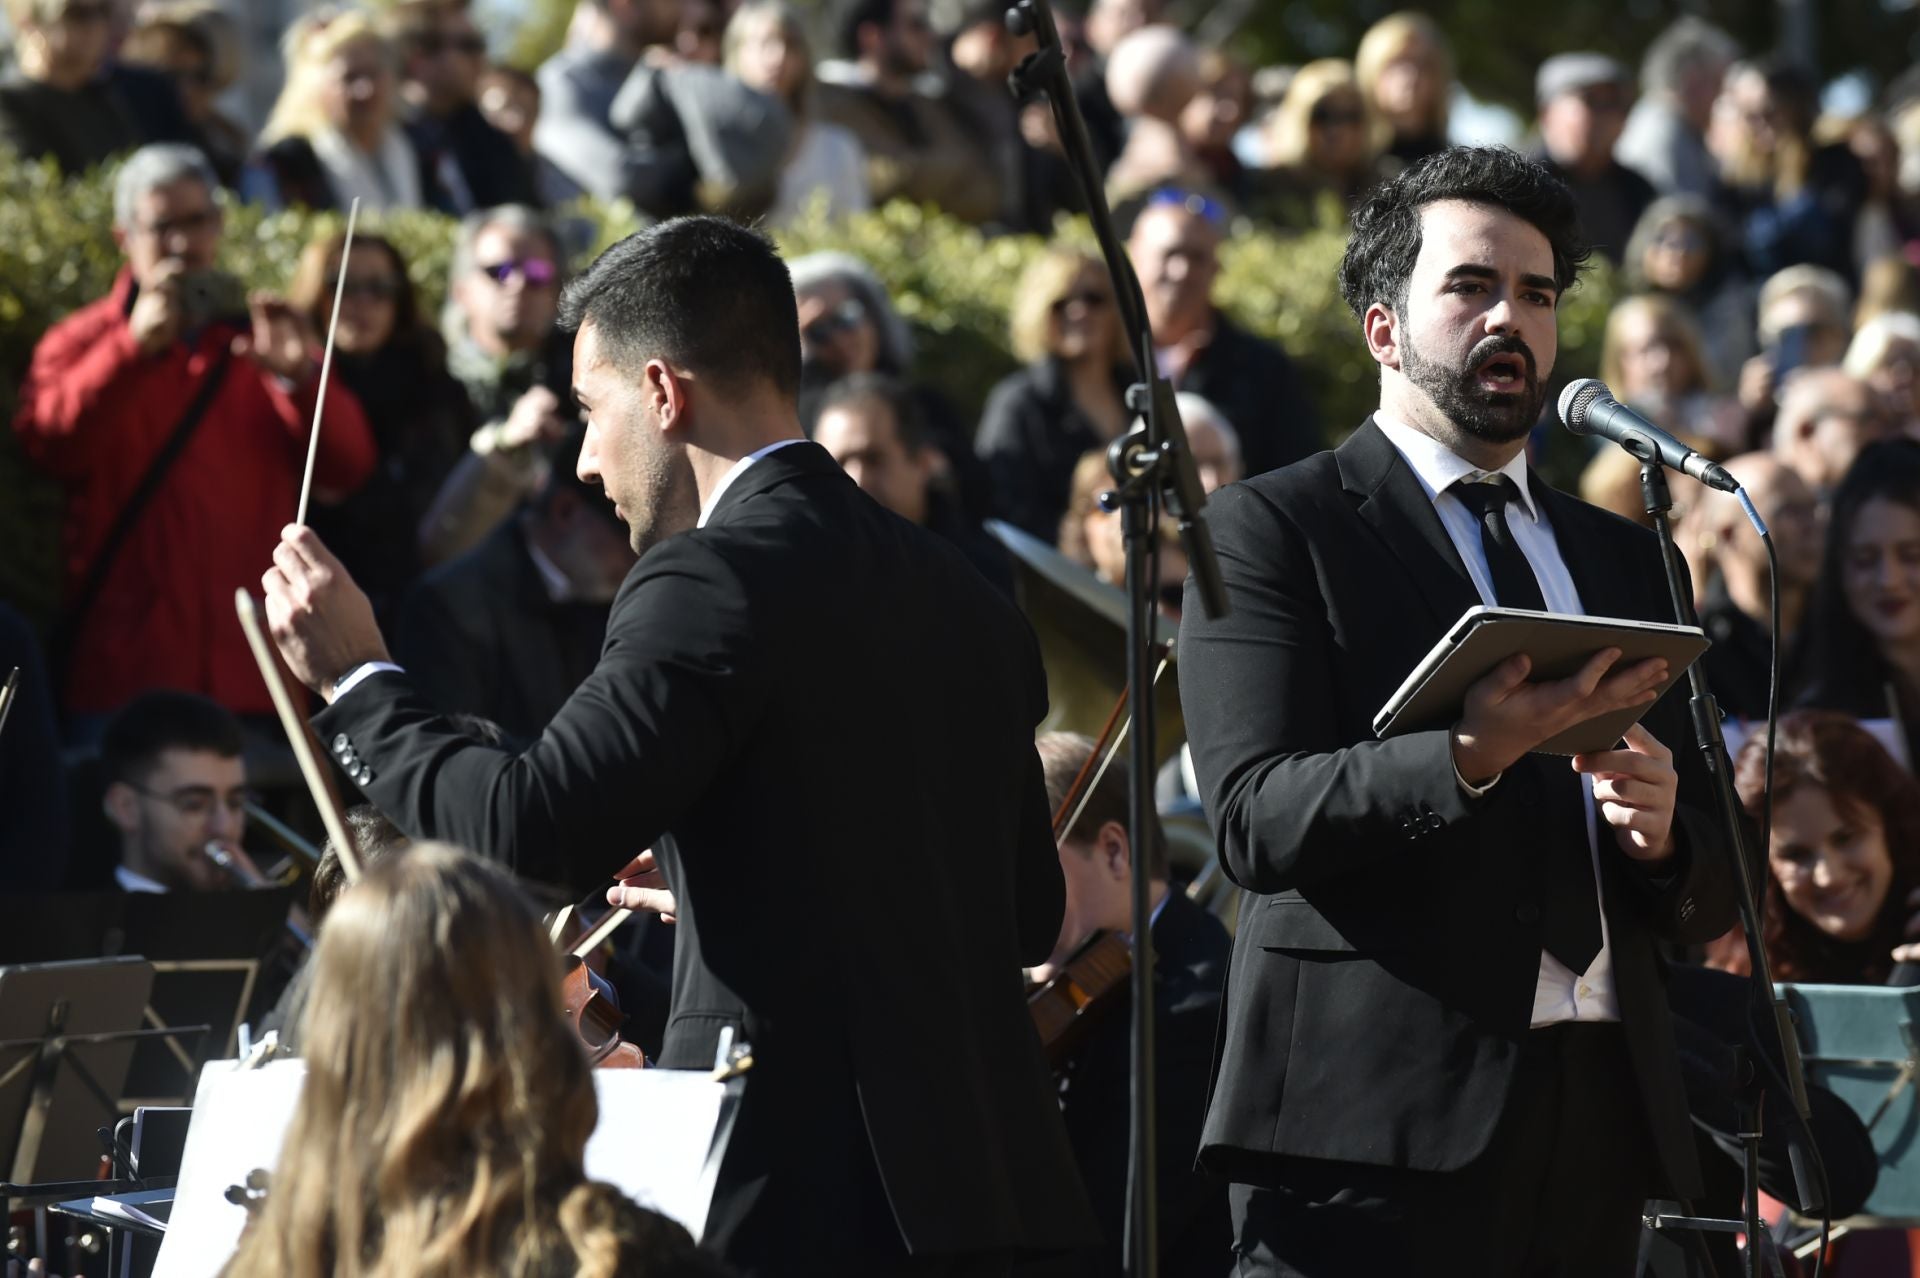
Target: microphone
x,y
1589,408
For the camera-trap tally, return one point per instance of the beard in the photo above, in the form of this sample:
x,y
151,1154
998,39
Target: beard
x,y
1499,417
665,499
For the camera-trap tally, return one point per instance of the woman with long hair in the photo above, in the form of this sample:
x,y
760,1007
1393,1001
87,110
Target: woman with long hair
x,y
1861,641
1405,68
1321,146
443,1123
1654,359
1844,856
766,48
396,367
1680,250
1069,399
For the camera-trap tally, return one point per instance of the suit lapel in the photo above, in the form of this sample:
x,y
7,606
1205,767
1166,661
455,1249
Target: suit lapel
x,y
797,460
1397,508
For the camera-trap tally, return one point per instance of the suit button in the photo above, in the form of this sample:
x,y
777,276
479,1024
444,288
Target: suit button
x,y
1434,822
341,746
1527,913
363,776
1410,827
1686,909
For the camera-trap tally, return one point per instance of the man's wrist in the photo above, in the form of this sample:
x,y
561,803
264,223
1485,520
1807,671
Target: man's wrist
x,y
1475,775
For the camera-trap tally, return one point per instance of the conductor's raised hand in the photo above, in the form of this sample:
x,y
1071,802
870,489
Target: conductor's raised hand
x,y
322,621
643,887
1506,716
1635,790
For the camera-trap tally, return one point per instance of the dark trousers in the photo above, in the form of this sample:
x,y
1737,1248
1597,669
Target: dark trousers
x,y
1557,1193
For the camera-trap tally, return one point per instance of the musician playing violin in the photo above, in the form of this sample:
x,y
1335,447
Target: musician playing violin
x,y
859,854
1191,948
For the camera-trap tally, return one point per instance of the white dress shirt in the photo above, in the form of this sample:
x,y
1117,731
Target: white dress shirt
x,y
1560,994
734,472
134,881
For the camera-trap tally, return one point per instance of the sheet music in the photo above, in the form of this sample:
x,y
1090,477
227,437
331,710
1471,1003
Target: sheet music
x,y
652,1142
127,1211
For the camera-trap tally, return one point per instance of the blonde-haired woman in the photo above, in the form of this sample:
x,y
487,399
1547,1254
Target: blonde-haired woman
x,y
55,101
1405,69
766,48
444,1119
335,135
1653,358
1068,399
1320,145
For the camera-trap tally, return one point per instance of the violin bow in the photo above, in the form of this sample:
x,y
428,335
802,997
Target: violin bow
x,y
326,362
1074,801
8,694
306,748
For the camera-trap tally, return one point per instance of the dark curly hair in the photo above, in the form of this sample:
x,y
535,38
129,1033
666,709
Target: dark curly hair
x,y
1386,227
1834,753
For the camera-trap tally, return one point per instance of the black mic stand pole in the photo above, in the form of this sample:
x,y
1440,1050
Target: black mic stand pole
x,y
1766,1000
1150,464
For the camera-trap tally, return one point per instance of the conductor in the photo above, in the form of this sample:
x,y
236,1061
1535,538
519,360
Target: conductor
x,y
821,720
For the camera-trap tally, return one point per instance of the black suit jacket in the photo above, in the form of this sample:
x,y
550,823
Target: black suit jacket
x,y
1190,965
1384,975
821,718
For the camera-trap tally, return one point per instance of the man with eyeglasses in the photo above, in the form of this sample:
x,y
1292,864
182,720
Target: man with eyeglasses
x,y
1583,99
443,56
175,413
176,791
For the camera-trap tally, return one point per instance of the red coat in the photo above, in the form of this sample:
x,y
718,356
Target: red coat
x,y
93,413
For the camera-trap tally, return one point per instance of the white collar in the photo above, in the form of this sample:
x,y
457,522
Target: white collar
x,y
133,881
1438,467
559,589
734,472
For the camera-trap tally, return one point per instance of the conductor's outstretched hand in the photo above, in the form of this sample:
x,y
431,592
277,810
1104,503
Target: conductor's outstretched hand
x,y
321,620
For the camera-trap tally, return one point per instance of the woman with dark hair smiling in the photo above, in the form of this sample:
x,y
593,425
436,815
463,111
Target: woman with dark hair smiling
x,y
1845,853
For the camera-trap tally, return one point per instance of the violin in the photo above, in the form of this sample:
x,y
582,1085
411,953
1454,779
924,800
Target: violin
x,y
596,1020
1089,985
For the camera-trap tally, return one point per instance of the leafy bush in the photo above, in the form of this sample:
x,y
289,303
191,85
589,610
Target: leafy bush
x,y
951,282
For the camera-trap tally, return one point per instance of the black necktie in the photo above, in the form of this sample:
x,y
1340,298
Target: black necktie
x,y
1570,912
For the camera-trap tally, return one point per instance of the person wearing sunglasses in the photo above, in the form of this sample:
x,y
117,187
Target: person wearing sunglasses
x,y
176,782
396,366
442,57
1321,150
55,101
1584,99
1680,250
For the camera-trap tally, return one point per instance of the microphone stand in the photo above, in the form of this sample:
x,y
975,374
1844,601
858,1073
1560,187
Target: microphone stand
x,y
1150,464
1658,500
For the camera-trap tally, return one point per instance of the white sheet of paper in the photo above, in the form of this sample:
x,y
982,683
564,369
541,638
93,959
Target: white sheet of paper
x,y
655,1130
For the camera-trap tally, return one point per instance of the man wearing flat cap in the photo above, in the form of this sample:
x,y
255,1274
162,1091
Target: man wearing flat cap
x,y
1583,100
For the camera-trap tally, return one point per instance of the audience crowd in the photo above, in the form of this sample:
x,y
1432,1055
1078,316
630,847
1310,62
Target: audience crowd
x,y
1768,259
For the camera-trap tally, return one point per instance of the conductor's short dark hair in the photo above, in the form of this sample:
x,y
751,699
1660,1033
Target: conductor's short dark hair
x,y
155,722
701,292
1386,227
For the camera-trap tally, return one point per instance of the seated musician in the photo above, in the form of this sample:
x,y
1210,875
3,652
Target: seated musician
x,y
176,792
444,1121
1096,860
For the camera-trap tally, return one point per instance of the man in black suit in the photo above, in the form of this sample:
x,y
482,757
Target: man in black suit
x,y
1190,963
762,718
1446,1045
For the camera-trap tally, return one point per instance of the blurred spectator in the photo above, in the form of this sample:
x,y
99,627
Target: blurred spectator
x,y
1889,284
849,325
1731,574
1793,201
1611,481
1845,850
1214,117
1175,247
334,134
1069,399
1212,441
1860,648
1583,101
1679,251
55,100
1885,354
767,47
1108,22
702,25
516,367
176,380
1151,77
1091,536
176,783
1826,418
578,86
197,47
1405,70
1802,324
396,366
510,99
1320,144
34,826
981,54
1888,221
1665,140
916,147
442,55
1653,359
508,630
871,425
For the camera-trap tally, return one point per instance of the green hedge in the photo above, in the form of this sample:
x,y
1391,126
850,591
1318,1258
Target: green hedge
x,y
951,282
